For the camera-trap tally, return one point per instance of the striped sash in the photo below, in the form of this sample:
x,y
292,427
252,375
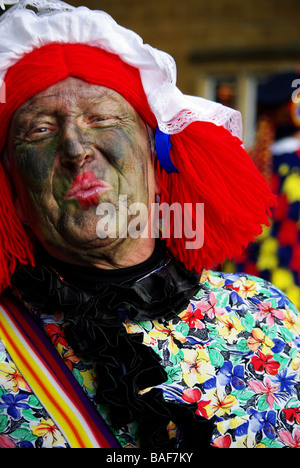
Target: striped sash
x,y
51,380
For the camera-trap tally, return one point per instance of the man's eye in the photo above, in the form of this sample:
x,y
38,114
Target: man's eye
x,y
100,120
40,131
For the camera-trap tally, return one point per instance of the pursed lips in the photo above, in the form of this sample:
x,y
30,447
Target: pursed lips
x,y
86,188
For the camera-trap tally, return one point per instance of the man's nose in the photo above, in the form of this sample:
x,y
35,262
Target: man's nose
x,y
75,150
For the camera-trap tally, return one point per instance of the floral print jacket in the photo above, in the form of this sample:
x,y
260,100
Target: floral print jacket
x,y
234,351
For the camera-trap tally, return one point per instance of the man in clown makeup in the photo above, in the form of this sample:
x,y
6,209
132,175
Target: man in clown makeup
x,y
123,335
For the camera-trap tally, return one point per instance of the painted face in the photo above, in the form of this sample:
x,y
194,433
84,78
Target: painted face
x,y
73,147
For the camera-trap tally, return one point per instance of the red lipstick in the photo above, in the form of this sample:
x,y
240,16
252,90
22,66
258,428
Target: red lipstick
x,y
86,188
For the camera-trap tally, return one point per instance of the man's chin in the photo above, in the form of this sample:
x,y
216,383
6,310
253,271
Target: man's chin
x,y
88,252
84,241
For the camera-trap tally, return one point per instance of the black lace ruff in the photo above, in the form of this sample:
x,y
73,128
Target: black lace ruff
x,y
95,304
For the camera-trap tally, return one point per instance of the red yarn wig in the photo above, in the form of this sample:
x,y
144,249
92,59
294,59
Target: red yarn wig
x,y
213,168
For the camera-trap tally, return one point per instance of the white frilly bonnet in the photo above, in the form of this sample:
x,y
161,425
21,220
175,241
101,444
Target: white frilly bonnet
x,y
31,24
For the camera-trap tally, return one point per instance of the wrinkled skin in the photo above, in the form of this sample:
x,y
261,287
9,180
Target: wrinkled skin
x,y
76,128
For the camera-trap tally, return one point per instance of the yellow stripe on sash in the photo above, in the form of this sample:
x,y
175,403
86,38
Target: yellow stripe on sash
x,y
50,393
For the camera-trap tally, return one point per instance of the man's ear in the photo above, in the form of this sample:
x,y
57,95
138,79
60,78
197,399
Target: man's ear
x,y
16,200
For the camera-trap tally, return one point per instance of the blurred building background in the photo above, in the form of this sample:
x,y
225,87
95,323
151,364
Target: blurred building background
x,y
223,48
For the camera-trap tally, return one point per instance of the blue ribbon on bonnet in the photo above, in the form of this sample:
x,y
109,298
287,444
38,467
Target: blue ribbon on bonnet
x,y
163,148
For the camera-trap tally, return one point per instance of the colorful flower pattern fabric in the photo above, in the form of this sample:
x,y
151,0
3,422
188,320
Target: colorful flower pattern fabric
x,y
234,351
24,423
275,255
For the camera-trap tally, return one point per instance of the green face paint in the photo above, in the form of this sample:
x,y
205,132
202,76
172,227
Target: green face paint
x,y
74,146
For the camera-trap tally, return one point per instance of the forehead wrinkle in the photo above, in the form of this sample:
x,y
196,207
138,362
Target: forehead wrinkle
x,y
65,99
96,97
89,90
24,110
31,102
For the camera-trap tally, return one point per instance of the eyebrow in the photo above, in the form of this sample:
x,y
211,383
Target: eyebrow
x,y
30,109
31,101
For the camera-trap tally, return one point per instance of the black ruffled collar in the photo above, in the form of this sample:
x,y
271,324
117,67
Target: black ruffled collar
x,y
158,288
95,304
